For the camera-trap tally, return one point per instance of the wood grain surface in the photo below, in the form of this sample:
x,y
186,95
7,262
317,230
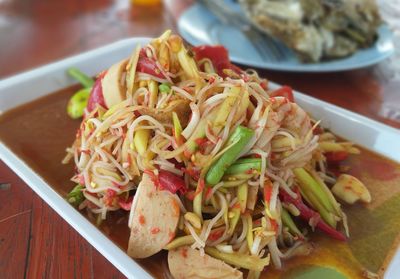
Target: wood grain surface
x,y
34,241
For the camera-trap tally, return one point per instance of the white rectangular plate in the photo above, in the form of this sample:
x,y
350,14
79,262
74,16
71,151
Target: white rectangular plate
x,y
31,85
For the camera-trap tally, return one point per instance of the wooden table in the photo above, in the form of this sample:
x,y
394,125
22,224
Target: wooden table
x,y
34,240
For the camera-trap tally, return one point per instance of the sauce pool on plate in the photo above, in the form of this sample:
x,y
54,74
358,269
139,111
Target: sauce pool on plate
x,y
40,131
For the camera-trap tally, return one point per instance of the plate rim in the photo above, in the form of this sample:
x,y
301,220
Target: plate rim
x,y
299,68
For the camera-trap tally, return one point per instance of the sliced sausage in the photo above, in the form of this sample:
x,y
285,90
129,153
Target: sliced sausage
x,y
154,220
185,262
114,87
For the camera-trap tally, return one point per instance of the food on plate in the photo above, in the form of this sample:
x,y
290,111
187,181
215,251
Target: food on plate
x,y
185,262
147,232
317,30
212,164
77,104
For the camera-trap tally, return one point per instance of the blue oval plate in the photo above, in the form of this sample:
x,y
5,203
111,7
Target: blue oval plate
x,y
199,26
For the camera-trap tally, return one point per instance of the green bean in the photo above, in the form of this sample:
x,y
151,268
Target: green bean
x,y
239,176
288,222
77,104
327,216
199,133
86,81
238,139
243,261
249,234
225,108
223,190
197,203
234,219
233,183
244,165
310,185
153,89
177,126
214,202
242,192
75,197
328,193
180,241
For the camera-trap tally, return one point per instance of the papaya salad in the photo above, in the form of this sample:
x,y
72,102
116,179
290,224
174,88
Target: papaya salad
x,y
211,163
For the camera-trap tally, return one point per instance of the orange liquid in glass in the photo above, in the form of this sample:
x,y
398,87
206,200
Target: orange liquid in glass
x,y
145,2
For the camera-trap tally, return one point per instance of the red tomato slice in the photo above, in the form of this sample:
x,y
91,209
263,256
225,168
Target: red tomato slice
x,y
171,182
284,91
96,95
147,65
126,205
336,156
218,56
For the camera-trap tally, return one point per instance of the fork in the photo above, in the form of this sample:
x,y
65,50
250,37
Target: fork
x,y
266,47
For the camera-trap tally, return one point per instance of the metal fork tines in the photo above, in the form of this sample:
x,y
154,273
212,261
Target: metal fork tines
x,y
266,47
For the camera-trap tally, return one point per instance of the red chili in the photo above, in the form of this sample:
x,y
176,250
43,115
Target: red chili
x,y
267,192
264,85
274,225
190,195
109,197
284,91
200,187
216,234
236,205
126,205
187,153
195,174
318,130
307,213
219,58
171,182
96,95
86,151
200,141
179,140
116,184
208,193
153,177
147,65
336,156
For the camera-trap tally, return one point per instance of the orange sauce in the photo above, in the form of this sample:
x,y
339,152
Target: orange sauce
x,y
39,132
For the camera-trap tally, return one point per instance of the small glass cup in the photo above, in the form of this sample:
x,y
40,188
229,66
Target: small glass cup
x,y
145,2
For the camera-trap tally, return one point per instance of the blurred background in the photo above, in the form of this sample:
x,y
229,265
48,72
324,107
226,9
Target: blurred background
x,y
37,32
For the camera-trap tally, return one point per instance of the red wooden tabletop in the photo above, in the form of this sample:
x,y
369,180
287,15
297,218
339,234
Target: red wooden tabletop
x,y
34,240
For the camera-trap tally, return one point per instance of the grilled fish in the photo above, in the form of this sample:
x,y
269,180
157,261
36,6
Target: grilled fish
x,y
317,29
